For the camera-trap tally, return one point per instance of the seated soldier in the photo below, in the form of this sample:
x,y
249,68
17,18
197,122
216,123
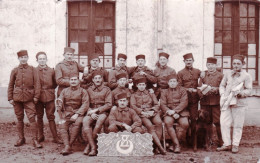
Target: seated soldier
x,y
123,117
73,102
146,106
174,101
100,104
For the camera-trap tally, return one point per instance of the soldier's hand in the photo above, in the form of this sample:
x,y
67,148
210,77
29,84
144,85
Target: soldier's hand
x,y
61,121
35,100
128,128
94,116
74,117
12,102
92,111
142,73
151,90
176,116
170,112
130,80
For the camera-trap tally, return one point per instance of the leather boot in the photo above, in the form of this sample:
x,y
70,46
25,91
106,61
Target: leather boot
x,y
158,143
158,130
20,129
35,133
74,134
65,138
92,143
220,141
87,149
53,129
66,150
175,140
41,137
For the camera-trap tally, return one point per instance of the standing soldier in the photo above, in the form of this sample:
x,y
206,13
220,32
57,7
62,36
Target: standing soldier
x,y
100,104
47,97
142,71
118,69
210,99
72,105
234,88
94,66
161,72
23,94
188,78
66,68
146,106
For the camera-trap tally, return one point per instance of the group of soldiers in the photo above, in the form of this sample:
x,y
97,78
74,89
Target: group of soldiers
x,y
135,99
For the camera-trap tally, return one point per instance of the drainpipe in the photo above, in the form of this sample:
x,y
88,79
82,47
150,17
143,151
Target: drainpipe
x,y
160,26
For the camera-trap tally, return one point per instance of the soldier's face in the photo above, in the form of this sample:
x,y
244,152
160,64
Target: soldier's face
x,y
140,63
74,81
95,63
173,83
122,82
141,86
122,103
237,65
68,56
23,59
121,62
163,61
97,80
211,67
42,59
188,62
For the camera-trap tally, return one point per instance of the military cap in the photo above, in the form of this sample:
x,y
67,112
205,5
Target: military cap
x,y
172,76
39,53
93,56
121,96
239,57
69,50
212,60
140,56
140,80
121,55
22,53
163,54
74,75
95,73
187,56
121,75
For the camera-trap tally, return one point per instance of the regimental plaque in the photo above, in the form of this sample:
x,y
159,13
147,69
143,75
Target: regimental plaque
x,y
125,144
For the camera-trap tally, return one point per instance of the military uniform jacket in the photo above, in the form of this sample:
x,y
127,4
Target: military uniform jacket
x,y
144,101
112,82
126,115
188,78
119,90
75,101
64,70
48,83
161,74
175,99
213,80
87,78
24,84
100,97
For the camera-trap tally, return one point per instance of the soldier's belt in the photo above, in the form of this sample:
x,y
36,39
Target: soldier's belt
x,y
26,87
96,105
47,87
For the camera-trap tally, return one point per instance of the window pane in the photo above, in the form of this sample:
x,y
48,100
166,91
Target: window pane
x,y
83,9
218,36
251,36
251,62
252,73
227,49
243,37
251,11
219,61
99,23
108,10
227,23
108,36
73,35
99,36
243,49
108,48
99,10
83,36
101,64
218,49
227,37
227,9
108,61
251,49
73,9
74,22
243,23
99,48
226,62
243,9
83,60
75,46
83,22
108,23
218,9
251,22
218,23
83,48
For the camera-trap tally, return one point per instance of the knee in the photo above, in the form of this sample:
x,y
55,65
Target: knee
x,y
32,119
157,121
50,117
138,129
112,128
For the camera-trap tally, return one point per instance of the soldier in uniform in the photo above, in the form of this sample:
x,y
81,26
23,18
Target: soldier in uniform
x,y
146,106
72,105
210,100
66,68
161,72
100,105
94,66
123,117
188,78
174,102
142,71
23,94
118,69
47,97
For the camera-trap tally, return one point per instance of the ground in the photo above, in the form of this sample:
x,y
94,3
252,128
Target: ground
x,y
249,150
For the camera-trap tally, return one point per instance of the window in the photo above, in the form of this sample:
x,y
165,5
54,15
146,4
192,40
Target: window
x,y
91,29
236,31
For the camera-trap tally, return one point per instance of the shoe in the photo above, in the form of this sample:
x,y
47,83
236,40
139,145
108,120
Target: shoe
x,y
66,151
224,148
41,139
87,150
36,144
177,149
19,142
234,149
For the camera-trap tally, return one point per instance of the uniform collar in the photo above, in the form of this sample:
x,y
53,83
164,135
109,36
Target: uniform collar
x,y
163,67
117,67
211,73
40,68
174,89
123,109
75,88
99,88
143,92
235,73
23,66
67,62
190,69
